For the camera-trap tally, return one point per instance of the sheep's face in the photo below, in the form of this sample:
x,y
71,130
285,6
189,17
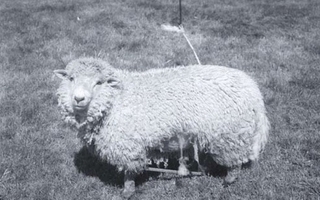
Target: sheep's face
x,y
82,89
86,90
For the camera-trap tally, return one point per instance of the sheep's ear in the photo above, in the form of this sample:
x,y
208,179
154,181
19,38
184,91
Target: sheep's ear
x,y
63,74
114,82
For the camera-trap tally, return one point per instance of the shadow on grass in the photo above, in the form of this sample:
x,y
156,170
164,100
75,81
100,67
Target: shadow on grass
x,y
211,167
91,165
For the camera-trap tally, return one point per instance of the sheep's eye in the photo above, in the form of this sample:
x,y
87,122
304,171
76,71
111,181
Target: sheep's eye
x,y
71,78
99,83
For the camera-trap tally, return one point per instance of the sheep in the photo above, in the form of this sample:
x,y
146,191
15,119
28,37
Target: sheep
x,y
130,117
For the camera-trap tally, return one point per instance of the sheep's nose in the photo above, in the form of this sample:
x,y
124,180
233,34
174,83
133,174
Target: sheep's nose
x,y
79,98
79,94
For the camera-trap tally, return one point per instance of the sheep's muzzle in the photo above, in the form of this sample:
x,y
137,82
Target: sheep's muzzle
x,y
81,99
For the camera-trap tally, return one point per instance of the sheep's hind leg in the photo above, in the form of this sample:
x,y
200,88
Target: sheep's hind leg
x,y
182,170
196,157
233,173
129,185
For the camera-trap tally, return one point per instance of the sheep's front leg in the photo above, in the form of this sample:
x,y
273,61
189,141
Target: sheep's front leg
x,y
129,184
233,173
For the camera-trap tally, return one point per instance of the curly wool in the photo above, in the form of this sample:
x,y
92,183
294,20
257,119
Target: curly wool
x,y
221,108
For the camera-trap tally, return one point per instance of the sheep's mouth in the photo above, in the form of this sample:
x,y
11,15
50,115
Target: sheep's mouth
x,y
80,107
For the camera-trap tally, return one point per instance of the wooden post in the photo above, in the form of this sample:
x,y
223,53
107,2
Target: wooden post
x,y
180,13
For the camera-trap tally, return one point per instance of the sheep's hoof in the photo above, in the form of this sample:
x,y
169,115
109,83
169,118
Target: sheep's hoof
x,y
129,189
231,176
229,180
182,170
127,194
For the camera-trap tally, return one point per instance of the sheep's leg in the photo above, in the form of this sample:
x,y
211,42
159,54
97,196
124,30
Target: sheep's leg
x,y
196,156
182,170
181,141
232,175
129,185
166,160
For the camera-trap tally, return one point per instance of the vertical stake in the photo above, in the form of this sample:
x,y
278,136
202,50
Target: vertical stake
x,y
180,13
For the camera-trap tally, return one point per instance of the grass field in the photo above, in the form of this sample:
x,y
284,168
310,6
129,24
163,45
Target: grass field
x,y
275,41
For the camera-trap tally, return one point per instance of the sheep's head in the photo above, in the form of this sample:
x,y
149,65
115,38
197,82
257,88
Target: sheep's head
x,y
86,90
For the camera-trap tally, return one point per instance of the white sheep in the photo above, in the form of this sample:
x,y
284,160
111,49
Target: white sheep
x,y
132,116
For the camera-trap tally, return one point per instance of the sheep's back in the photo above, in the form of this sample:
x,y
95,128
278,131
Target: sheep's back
x,y
212,102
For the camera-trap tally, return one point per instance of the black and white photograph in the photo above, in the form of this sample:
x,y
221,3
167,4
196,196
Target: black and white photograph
x,y
159,99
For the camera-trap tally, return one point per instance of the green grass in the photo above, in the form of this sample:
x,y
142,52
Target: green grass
x,y
275,41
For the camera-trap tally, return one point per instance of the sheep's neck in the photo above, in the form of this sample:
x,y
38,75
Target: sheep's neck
x,y
81,117
87,130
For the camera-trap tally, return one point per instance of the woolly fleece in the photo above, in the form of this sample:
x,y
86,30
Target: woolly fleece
x,y
220,108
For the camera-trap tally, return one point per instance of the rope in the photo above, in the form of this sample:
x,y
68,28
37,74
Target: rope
x,y
183,33
180,29
194,52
